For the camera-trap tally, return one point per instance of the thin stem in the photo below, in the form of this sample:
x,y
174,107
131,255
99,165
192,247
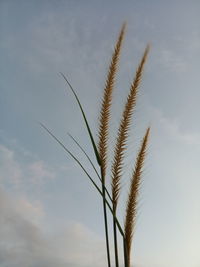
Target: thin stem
x,y
105,217
115,237
90,163
125,253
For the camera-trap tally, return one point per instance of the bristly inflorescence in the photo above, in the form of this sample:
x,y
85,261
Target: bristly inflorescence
x,y
123,130
107,99
131,209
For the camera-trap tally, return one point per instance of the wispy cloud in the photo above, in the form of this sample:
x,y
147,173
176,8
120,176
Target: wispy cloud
x,y
15,173
24,240
174,129
40,172
10,170
26,244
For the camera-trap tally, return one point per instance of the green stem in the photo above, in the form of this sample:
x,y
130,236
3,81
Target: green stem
x,y
115,237
125,253
105,217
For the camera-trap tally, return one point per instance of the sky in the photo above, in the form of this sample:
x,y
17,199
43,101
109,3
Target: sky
x,y
50,213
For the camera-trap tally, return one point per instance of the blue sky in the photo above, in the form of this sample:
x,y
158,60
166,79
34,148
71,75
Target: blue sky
x,y
50,214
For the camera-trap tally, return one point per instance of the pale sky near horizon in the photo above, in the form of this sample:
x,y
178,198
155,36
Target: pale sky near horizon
x,y
49,213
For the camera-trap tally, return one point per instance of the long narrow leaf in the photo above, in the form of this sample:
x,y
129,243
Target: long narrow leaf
x,y
96,186
64,147
85,119
75,141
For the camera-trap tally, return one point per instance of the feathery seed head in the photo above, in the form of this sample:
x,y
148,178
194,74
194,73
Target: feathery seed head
x,y
124,130
107,99
131,209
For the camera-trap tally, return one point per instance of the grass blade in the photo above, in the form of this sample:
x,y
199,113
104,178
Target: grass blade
x,y
85,119
76,142
90,163
104,121
67,150
95,185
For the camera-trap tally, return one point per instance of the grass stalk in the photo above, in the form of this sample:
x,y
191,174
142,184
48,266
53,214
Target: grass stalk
x,y
105,218
125,253
104,120
121,142
115,238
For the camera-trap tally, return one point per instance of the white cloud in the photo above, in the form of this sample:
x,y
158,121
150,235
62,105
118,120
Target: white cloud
x,y
21,241
39,172
25,241
32,210
25,244
15,173
10,169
